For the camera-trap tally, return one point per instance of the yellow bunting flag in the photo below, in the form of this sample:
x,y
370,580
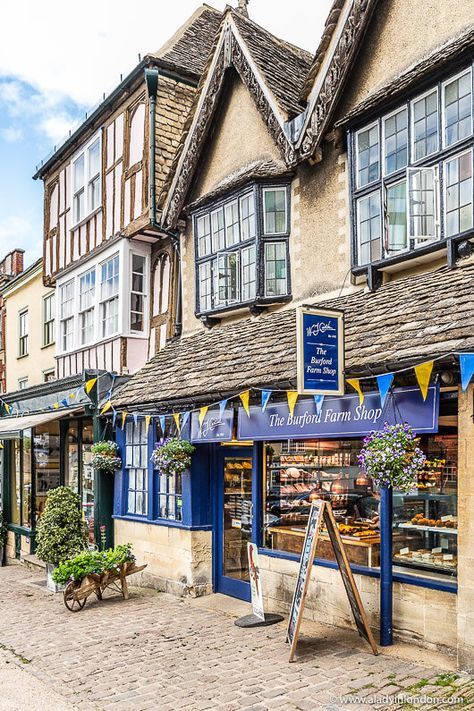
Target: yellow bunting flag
x,y
245,398
177,420
90,384
1,445
147,423
292,396
106,407
56,405
124,417
7,408
355,383
423,375
202,414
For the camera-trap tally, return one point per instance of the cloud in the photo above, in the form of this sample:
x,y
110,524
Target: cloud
x,y
18,231
11,134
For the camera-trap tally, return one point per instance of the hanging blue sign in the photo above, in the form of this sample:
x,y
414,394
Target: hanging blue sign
x,y
342,416
216,427
320,351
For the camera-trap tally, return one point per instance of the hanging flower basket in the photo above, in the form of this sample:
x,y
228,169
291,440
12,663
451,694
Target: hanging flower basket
x,y
390,457
105,457
172,456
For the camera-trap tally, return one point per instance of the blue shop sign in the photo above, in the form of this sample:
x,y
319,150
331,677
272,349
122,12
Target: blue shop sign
x,y
215,427
342,416
320,351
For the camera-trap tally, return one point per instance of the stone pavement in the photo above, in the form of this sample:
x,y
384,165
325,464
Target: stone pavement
x,y
154,651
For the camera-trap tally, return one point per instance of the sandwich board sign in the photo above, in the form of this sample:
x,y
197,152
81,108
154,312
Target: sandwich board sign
x,y
255,582
321,512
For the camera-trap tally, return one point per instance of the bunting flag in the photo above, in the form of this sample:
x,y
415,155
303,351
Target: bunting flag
x,y
292,397
245,399
89,384
56,405
147,423
1,445
423,375
177,421
318,403
384,383
106,407
222,407
466,363
162,419
124,417
64,403
202,414
114,418
266,395
7,407
355,383
184,419
135,418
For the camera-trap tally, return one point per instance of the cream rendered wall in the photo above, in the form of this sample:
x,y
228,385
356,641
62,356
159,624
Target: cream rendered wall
x,y
28,294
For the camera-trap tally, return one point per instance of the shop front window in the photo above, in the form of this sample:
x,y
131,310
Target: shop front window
x,y
299,472
136,464
79,474
87,497
46,458
15,482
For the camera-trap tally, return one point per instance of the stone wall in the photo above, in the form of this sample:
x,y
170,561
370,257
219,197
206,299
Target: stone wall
x,y
179,561
422,616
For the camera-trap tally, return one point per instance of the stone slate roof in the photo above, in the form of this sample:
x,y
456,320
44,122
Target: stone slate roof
x,y
190,46
251,171
402,323
283,66
456,49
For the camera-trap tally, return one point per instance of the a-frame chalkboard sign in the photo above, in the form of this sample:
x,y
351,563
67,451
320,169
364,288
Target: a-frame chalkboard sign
x,y
321,511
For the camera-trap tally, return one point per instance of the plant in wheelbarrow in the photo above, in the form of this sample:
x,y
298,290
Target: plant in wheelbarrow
x,y
92,572
61,531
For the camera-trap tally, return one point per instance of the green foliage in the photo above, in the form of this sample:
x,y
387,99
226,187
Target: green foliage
x,y
88,562
61,530
105,456
172,456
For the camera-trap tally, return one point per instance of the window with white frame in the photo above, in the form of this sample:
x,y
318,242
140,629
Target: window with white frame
x,y
109,296
22,383
136,465
238,262
137,293
48,319
86,307
23,333
66,315
49,375
86,178
426,144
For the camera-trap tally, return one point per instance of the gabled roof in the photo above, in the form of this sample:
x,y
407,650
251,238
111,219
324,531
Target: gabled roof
x,y
190,46
342,39
402,323
272,70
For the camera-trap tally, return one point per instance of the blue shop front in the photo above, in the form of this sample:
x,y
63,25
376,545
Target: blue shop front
x,y
254,473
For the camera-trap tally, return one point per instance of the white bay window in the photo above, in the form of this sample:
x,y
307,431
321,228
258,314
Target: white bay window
x,y
109,296
138,293
86,306
66,315
86,178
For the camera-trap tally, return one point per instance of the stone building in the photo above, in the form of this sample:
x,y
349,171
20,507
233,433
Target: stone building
x,y
341,180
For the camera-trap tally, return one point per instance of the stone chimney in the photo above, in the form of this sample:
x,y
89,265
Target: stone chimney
x,y
12,263
242,7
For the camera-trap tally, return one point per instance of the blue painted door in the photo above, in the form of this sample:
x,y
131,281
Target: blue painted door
x,y
234,520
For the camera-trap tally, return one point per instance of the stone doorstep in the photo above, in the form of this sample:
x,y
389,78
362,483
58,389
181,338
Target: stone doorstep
x,y
33,562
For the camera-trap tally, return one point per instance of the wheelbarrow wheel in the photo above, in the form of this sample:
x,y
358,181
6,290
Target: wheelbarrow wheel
x,y
70,599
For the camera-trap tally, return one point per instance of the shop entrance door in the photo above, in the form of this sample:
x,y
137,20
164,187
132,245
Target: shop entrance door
x,y
234,518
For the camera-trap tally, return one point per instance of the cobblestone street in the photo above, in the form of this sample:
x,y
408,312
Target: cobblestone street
x,y
159,652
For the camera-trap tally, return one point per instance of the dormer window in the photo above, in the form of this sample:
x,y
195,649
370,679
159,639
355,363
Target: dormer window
x,y
412,176
86,177
242,249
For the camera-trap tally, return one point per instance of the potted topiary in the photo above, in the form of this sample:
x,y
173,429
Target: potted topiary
x,y
172,456
61,531
105,457
3,537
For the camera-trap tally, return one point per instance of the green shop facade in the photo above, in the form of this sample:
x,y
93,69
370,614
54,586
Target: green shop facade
x,y
47,434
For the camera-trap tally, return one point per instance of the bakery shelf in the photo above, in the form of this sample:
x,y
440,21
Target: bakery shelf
x,y
433,529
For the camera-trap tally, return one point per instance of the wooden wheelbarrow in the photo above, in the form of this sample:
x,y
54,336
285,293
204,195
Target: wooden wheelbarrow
x,y
77,591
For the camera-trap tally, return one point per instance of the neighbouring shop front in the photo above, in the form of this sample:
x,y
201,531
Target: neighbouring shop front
x,y
47,435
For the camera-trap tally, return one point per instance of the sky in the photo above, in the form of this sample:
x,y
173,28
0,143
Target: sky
x,y
58,58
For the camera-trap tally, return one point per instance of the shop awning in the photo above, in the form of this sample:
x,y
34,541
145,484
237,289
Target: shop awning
x,y
11,427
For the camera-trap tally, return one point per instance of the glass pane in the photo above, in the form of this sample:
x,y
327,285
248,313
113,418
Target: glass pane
x,y
71,477
47,462
79,173
237,516
275,211
367,156
397,217
88,501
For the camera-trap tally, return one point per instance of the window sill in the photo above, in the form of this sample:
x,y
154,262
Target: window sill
x,y
162,522
47,345
79,348
261,302
25,355
421,582
85,219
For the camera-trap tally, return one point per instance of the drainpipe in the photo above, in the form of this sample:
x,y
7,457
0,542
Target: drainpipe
x,y
152,78
386,571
